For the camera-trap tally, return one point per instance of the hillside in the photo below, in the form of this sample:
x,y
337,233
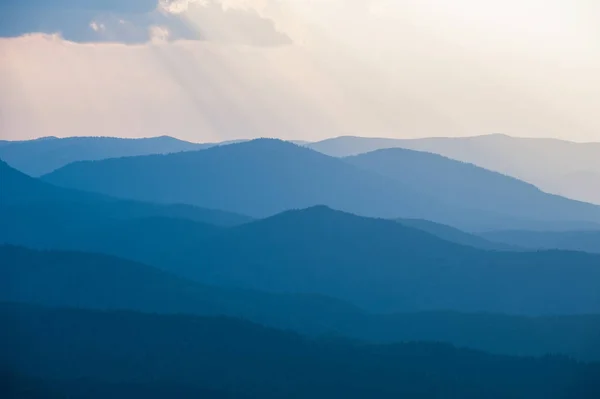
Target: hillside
x,y
264,177
449,233
555,166
472,187
258,178
383,265
96,281
41,156
93,281
226,355
585,241
36,203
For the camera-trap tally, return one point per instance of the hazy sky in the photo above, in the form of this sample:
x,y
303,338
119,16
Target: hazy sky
x,y
206,70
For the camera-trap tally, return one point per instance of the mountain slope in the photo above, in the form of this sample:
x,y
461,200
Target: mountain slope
x,y
35,203
153,240
379,264
264,177
463,184
555,166
383,265
258,178
94,281
218,354
19,188
41,156
456,236
586,241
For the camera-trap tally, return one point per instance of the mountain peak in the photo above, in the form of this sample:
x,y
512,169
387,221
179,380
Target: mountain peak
x,y
268,142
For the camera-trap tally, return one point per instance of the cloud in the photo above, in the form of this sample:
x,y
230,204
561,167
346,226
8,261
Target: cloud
x,y
159,33
134,21
219,21
179,6
198,90
394,68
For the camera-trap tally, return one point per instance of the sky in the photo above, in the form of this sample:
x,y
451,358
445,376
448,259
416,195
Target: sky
x,y
212,70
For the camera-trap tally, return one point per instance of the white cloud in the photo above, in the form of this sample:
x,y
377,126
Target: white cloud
x,y
159,33
179,6
403,71
97,27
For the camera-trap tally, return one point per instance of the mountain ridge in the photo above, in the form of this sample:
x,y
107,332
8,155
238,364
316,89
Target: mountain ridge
x,y
264,177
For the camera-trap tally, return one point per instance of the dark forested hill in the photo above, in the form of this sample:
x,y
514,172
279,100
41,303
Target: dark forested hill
x,y
101,282
240,358
87,280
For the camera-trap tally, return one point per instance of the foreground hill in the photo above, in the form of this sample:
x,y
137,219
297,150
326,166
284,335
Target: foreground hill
x,y
585,241
77,279
41,156
94,281
556,166
264,177
31,203
472,187
240,358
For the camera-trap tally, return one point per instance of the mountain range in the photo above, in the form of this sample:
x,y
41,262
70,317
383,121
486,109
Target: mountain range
x,y
323,251
264,177
82,354
556,166
40,202
468,186
585,241
95,281
268,269
43,155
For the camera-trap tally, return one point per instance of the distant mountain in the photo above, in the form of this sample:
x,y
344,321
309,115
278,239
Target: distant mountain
x,y
75,350
258,178
472,187
34,203
94,281
385,266
581,184
19,188
263,177
586,241
319,250
456,236
555,166
41,156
